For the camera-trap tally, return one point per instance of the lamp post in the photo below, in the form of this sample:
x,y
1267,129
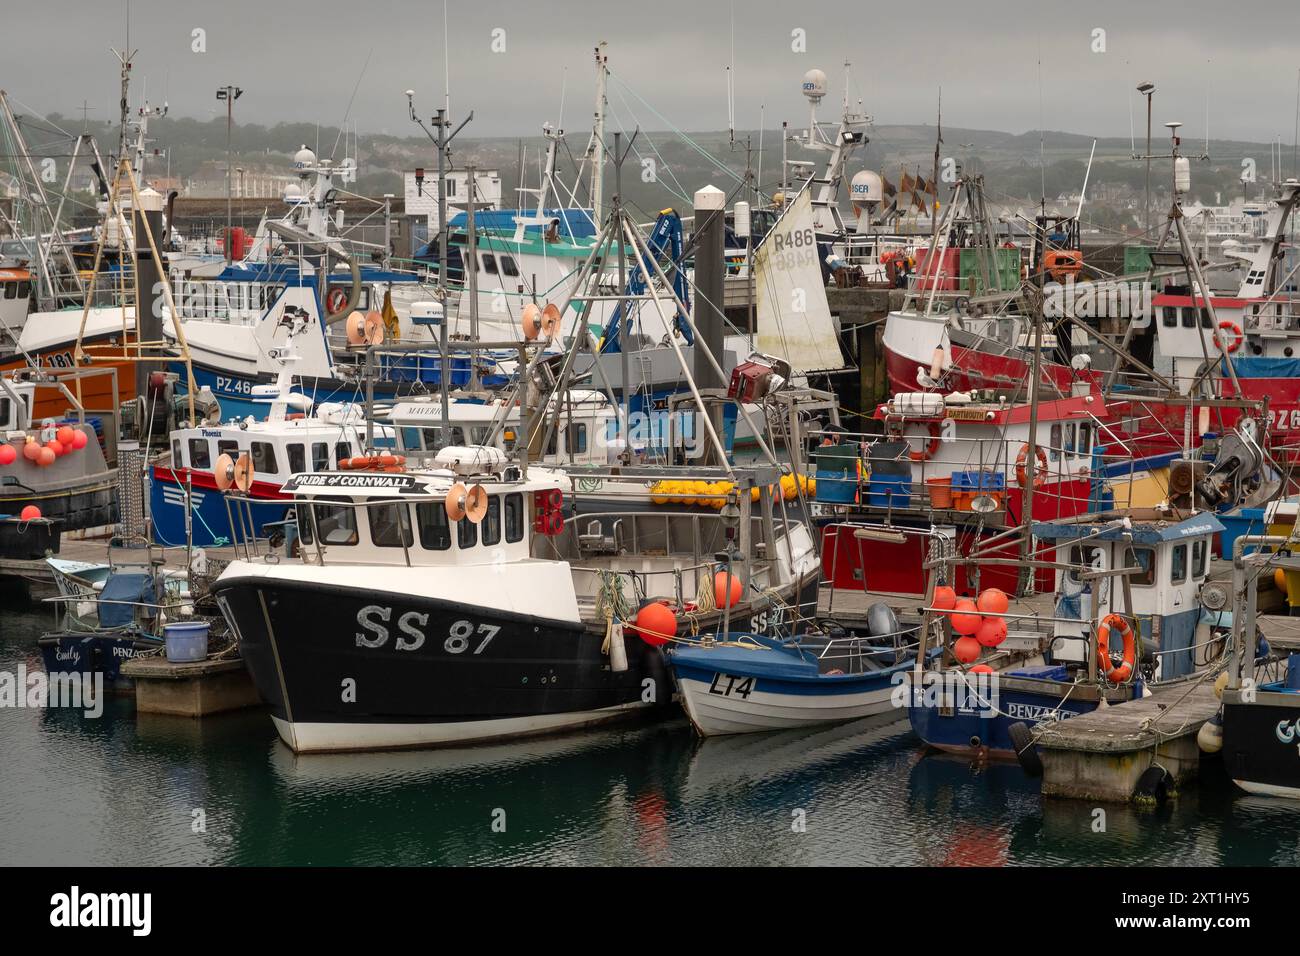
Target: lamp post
x,y
229,94
1146,89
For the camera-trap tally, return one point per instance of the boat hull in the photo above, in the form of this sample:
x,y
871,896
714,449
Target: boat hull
x,y
1261,742
978,724
719,702
96,653
332,683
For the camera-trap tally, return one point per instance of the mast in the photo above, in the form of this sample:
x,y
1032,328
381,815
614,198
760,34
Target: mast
x,y
597,149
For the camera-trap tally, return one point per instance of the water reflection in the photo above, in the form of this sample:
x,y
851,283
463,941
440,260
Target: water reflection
x,y
128,789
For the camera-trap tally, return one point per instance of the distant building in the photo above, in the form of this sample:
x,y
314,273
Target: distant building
x,y
420,190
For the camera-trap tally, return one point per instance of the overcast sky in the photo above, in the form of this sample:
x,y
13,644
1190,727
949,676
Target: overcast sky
x,y
300,61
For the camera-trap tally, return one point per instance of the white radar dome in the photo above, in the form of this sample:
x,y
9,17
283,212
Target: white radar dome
x,y
814,85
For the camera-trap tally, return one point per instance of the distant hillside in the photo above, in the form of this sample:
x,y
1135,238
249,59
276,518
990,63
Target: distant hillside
x,y
1010,162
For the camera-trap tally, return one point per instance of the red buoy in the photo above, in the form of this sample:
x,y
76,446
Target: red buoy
x,y
945,598
31,449
656,624
992,631
966,649
45,457
720,596
55,446
30,513
992,601
78,438
965,617
64,435
981,669
8,454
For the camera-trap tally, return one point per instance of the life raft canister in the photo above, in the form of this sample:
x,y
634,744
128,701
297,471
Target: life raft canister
x,y
1116,674
1040,473
373,463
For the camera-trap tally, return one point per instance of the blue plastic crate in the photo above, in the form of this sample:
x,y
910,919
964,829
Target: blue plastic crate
x,y
889,491
981,482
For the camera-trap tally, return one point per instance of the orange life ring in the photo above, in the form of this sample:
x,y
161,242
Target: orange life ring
x,y
935,432
1124,671
1227,325
335,300
1040,473
373,463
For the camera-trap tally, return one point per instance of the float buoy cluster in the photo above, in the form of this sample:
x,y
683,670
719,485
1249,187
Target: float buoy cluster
x,y
42,453
977,622
706,494
713,494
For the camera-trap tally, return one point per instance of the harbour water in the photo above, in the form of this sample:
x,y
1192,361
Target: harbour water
x,y
128,790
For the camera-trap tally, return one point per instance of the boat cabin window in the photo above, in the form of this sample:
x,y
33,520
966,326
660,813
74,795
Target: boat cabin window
x,y
508,266
228,446
1178,564
489,263
390,525
492,522
320,455
435,535
1055,442
264,457
342,450
200,455
514,509
297,457
1144,558
11,290
575,439
1082,559
302,519
1169,316
337,524
1200,551
466,534
178,459
1189,317
1085,438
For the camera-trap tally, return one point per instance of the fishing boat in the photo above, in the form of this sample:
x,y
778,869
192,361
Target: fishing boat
x,y
111,613
455,614
751,683
296,437
1243,344
53,468
1257,728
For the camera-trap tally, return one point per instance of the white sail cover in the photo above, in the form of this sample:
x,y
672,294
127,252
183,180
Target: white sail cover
x,y
793,317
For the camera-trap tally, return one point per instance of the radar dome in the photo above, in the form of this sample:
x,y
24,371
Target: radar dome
x,y
866,189
814,85
304,158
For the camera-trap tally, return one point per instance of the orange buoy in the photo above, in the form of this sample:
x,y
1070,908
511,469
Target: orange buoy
x,y
64,435
31,449
78,439
45,457
945,598
966,650
965,617
8,454
720,596
1279,576
992,631
656,624
992,601
30,513
55,446
981,669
